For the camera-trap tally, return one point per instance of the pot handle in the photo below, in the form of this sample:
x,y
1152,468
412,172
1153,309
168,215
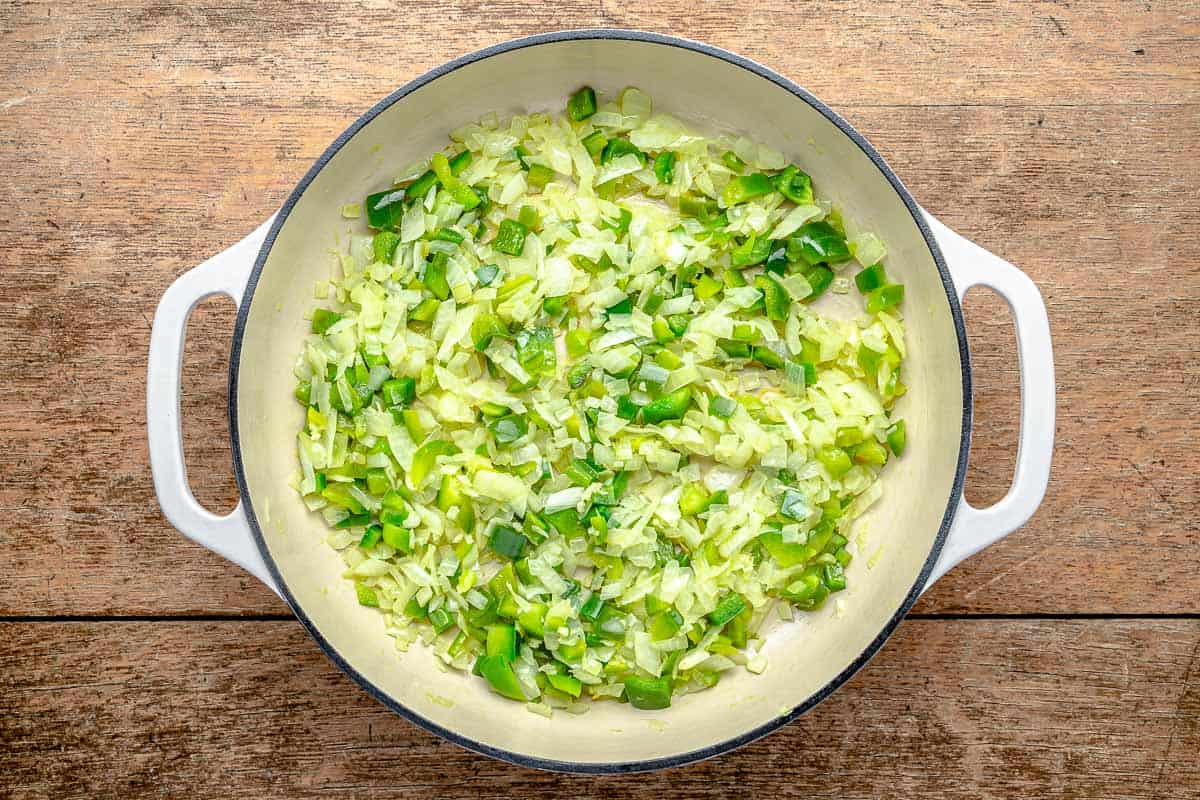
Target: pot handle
x,y
228,536
976,528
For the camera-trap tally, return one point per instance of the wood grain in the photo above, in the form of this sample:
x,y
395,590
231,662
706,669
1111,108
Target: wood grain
x,y
137,138
966,709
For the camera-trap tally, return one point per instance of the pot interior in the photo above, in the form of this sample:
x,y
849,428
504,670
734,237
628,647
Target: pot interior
x,y
891,543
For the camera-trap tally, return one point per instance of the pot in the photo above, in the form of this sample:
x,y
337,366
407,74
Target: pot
x,y
923,528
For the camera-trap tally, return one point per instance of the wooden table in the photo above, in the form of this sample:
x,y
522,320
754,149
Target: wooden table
x,y
138,138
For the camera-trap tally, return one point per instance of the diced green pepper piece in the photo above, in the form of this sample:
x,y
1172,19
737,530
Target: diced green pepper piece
x,y
664,167
337,494
777,262
533,620
662,331
746,187
510,238
848,437
460,161
733,348
460,192
767,357
594,143
667,359
426,457
591,608
440,619
372,536
577,342
707,287
870,278
835,577
693,499
450,495
535,350
794,505
385,209
665,624
870,452
421,186
787,554
507,541
530,218
836,461
425,310
620,147
539,175
733,161
377,481
775,298
896,437
499,674
484,328
412,423
582,104
818,243
399,391
819,278
795,185
732,605
566,684
621,307
654,301
668,407
581,473
366,595
449,235
884,297
323,319
750,252
698,206
384,245
566,522
396,537
648,694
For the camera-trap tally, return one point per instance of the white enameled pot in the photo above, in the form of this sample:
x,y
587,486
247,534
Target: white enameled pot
x,y
923,528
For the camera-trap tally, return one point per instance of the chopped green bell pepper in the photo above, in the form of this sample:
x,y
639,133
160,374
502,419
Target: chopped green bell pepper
x,y
507,541
884,297
323,319
499,674
668,407
648,694
746,187
664,167
896,437
385,209
818,243
582,104
510,238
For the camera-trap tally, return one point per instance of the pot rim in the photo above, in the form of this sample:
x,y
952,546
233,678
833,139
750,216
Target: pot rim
x,y
724,746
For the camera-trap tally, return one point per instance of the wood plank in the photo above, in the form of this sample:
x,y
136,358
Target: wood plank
x,y
859,52
1096,204
965,709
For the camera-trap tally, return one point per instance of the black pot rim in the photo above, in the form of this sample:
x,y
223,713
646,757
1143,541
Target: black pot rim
x,y
636,765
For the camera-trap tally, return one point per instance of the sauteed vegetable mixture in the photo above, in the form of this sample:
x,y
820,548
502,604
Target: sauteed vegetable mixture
x,y
572,414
